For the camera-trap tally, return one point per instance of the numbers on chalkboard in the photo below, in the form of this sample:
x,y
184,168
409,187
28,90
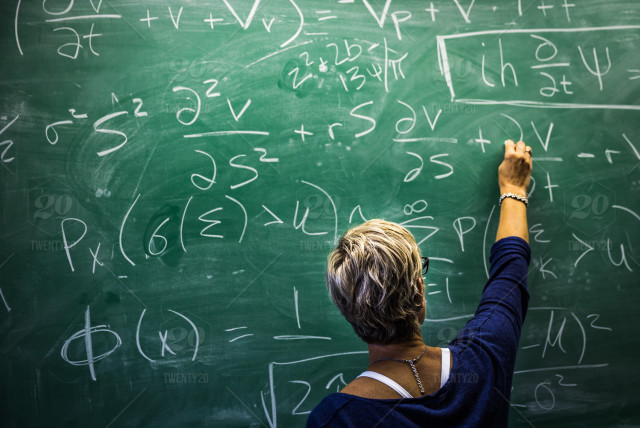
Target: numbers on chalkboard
x,y
152,241
355,76
263,156
51,132
3,157
348,55
295,409
213,83
561,381
137,113
307,61
593,323
376,71
7,143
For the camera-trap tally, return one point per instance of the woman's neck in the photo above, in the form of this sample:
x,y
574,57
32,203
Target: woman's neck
x,y
403,350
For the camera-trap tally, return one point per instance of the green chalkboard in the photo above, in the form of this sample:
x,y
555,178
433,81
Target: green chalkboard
x,y
173,175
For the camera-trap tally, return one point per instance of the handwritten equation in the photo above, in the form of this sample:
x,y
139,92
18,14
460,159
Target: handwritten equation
x,y
229,145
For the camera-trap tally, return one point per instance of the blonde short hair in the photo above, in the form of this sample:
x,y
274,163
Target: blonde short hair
x,y
374,277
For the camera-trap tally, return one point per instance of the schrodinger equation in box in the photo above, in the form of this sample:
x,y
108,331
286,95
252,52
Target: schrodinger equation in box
x,y
573,68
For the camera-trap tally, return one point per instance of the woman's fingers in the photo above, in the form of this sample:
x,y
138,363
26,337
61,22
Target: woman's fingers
x,y
509,146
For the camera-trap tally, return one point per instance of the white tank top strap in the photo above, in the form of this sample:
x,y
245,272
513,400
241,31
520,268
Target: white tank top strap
x,y
387,381
446,366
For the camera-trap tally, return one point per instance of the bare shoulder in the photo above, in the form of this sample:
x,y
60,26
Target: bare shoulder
x,y
369,388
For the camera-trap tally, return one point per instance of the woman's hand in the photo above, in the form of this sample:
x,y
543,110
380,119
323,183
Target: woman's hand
x,y
514,172
514,175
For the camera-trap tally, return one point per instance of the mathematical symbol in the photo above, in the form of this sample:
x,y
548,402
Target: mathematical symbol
x,y
608,154
564,84
95,258
9,124
239,337
77,115
597,71
163,339
635,151
531,346
331,129
637,74
544,7
586,155
148,19
550,187
302,132
277,219
543,270
6,305
268,26
396,65
338,378
567,6
90,36
482,140
323,66
433,292
86,333
211,20
325,12
432,11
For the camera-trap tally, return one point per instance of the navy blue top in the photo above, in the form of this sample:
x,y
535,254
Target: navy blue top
x,y
484,353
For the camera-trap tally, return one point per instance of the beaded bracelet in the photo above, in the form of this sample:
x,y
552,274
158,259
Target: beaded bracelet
x,y
515,196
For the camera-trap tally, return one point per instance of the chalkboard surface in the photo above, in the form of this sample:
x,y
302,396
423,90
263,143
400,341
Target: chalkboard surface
x,y
173,175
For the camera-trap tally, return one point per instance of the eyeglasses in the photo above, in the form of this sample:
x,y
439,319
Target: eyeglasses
x,y
425,265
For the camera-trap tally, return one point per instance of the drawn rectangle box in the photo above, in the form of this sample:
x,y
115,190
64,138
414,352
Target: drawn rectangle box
x,y
593,62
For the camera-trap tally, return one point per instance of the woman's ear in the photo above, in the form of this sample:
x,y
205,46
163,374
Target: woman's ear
x,y
422,314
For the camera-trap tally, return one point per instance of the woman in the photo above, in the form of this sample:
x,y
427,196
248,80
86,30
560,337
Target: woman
x,y
374,277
